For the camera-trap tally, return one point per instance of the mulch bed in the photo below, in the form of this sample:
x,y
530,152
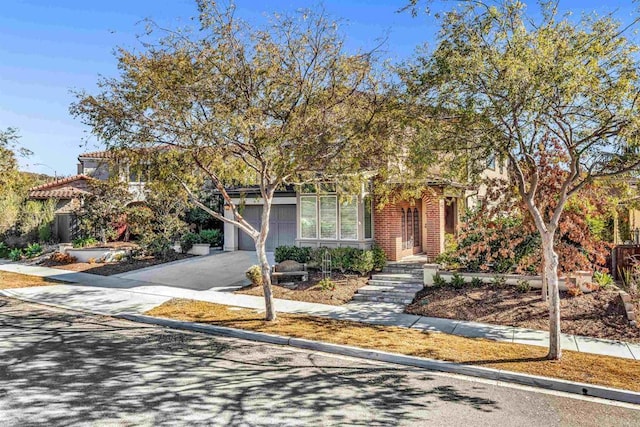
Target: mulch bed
x,y
111,268
346,286
598,314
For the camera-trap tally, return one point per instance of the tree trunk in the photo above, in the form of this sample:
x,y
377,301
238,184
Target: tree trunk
x,y
551,276
270,312
545,287
261,250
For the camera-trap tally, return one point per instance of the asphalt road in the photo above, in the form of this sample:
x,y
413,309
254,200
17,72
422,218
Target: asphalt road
x,y
63,368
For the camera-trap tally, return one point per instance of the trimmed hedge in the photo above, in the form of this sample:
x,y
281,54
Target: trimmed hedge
x,y
294,253
212,237
343,259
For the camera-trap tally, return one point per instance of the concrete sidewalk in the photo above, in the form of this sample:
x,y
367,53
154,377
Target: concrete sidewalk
x,y
113,295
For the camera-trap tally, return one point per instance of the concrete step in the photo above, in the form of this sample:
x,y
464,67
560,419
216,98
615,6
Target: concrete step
x,y
417,273
409,265
404,285
372,298
388,293
397,277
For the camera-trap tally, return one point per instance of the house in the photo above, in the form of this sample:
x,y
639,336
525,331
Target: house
x,y
310,216
69,192
314,217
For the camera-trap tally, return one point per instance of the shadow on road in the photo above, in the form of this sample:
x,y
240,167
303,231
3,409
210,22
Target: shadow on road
x,y
64,369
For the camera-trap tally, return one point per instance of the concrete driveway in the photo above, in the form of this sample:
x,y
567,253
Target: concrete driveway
x,y
218,271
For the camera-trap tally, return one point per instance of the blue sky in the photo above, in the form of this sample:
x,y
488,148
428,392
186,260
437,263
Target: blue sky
x,y
48,48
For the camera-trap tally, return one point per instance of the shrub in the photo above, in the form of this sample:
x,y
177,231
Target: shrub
x,y
574,291
629,278
294,253
343,258
499,281
379,258
33,250
254,274
604,280
523,286
457,281
44,232
363,262
212,237
476,282
439,281
4,250
82,242
62,258
91,261
316,256
187,241
326,284
449,259
157,246
15,254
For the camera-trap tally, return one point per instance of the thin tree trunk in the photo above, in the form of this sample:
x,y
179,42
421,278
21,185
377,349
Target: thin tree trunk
x,y
551,275
545,286
261,250
270,311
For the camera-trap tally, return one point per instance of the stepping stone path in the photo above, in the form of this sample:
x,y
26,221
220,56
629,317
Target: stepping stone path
x,y
398,283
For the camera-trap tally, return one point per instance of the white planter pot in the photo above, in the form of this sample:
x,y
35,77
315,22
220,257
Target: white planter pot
x,y
199,249
64,247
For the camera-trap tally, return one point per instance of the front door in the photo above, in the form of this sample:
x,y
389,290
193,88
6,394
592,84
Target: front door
x,y
411,226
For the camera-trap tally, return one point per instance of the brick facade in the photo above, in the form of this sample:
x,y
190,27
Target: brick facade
x,y
388,226
433,222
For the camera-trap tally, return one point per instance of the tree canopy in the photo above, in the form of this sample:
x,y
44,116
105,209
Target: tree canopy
x,y
515,84
268,106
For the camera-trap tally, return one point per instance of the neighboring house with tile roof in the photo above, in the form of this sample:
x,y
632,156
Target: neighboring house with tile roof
x,y
70,192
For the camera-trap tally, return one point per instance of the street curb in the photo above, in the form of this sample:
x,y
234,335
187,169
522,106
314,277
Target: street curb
x,y
399,359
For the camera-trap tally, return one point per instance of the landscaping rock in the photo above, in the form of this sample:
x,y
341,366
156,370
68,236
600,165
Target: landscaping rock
x,y
288,266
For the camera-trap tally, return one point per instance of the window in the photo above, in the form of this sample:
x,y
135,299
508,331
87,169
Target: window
x,y
409,241
368,223
328,217
404,227
349,219
416,227
308,217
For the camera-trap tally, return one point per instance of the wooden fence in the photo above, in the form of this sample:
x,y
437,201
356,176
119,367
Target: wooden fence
x,y
624,256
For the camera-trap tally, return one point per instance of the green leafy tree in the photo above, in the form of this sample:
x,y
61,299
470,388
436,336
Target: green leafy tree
x,y
502,82
103,212
14,186
264,106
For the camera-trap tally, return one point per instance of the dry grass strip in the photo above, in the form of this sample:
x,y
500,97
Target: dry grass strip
x,y
588,368
15,280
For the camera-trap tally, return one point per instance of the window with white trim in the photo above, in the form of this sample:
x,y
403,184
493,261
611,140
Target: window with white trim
x,y
308,217
349,219
328,217
368,217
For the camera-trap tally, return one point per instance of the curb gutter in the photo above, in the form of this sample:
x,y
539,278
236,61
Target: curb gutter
x,y
399,359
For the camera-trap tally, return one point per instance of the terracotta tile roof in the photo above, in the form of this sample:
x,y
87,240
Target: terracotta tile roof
x,y
112,154
65,188
98,155
63,193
